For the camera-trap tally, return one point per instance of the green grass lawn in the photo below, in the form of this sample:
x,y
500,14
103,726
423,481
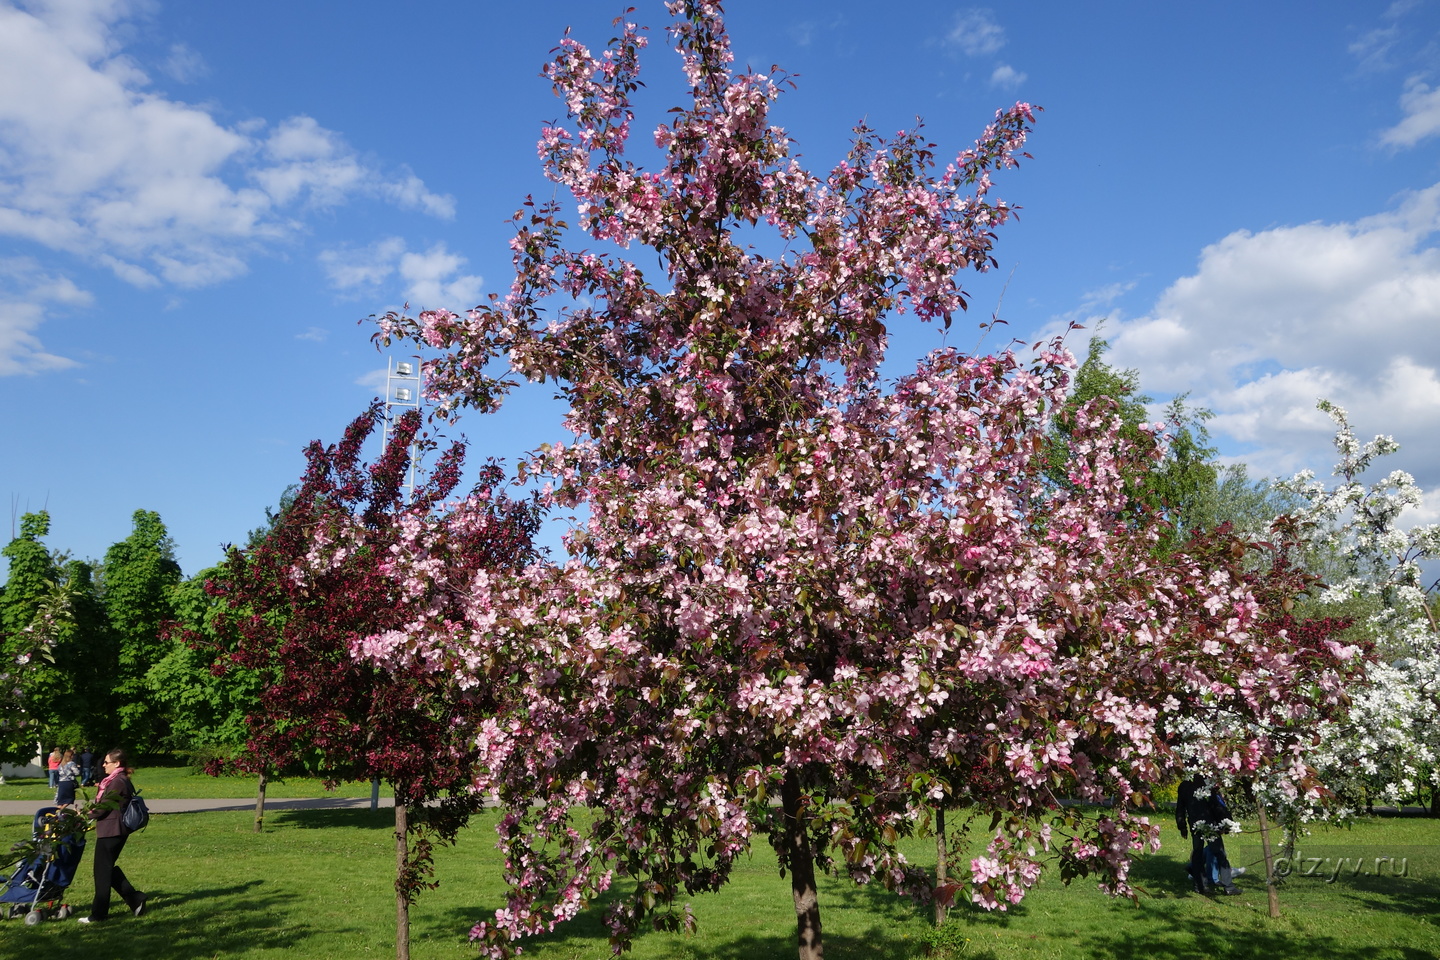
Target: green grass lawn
x,y
189,783
316,884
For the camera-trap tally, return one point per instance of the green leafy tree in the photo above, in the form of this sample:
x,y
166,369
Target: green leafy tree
x,y
140,576
207,699
205,709
55,638
33,573
1183,485
85,654
1248,504
32,587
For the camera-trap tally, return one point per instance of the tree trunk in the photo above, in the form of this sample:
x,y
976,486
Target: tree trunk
x,y
942,855
802,871
402,903
260,803
1269,860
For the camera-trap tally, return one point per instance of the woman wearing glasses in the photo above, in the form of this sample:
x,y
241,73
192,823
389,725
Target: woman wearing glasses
x,y
110,836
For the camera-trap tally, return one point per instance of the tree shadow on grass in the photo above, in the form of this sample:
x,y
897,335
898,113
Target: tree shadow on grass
x,y
1171,932
880,937
877,943
326,819
198,924
1395,895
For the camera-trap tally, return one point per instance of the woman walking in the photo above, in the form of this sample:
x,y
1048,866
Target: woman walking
x,y
110,836
68,773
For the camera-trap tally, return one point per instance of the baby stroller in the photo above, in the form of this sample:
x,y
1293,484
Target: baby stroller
x,y
37,888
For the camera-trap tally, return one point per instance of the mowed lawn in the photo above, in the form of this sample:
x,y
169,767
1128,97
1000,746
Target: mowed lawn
x,y
317,884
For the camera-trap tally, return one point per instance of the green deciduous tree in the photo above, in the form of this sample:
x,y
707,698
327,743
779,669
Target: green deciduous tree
x,y
140,575
205,711
51,619
1183,485
33,586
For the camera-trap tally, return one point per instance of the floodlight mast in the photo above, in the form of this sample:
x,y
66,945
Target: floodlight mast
x,y
402,393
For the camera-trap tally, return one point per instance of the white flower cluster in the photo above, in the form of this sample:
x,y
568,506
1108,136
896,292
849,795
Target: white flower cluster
x,y
1387,749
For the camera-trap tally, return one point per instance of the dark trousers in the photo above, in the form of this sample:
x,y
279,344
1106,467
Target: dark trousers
x,y
108,875
1197,870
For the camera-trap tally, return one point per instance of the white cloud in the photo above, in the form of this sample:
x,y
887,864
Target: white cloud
x,y
1007,77
95,163
409,193
375,380
313,334
429,281
1373,47
1421,105
25,294
184,64
1106,295
1427,512
426,280
1271,321
364,269
976,33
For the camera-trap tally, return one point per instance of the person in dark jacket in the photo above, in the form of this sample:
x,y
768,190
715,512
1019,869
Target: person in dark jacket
x,y
1201,808
114,793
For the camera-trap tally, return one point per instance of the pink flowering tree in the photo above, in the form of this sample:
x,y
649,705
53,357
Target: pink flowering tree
x,y
794,581
324,580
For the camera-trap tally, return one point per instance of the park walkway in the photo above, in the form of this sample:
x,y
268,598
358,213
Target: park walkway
x,y
27,808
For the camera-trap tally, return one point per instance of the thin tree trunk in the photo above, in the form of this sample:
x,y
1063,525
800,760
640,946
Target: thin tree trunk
x,y
942,855
1269,860
402,903
802,871
260,802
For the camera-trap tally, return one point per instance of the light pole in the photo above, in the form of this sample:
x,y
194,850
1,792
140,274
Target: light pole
x,y
402,390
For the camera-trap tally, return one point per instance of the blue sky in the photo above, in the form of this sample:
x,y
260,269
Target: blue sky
x,y
200,203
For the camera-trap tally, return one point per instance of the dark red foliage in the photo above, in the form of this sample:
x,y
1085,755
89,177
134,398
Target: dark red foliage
x,y
293,620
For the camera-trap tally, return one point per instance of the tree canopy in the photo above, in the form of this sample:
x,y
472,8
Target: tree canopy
x,y
795,580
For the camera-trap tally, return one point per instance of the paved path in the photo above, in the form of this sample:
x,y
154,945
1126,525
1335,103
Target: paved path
x,y
27,808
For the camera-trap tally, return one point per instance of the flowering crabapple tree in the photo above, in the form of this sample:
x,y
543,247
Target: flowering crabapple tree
x,y
1265,759
26,652
1389,745
794,581
1383,741
322,578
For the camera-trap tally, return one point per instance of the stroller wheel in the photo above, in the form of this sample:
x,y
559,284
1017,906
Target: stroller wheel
x,y
33,917
63,912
